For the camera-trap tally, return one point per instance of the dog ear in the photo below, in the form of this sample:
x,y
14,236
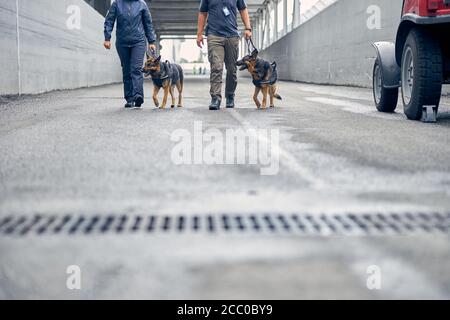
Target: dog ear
x,y
255,54
148,56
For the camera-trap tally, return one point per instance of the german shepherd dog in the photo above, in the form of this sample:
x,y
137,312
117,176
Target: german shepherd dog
x,y
166,76
264,76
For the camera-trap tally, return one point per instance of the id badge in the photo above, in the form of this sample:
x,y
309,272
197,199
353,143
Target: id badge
x,y
226,12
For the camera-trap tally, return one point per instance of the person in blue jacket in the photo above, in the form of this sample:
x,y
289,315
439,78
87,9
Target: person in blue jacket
x,y
134,29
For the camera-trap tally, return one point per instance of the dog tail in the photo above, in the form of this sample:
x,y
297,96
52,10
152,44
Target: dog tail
x,y
181,77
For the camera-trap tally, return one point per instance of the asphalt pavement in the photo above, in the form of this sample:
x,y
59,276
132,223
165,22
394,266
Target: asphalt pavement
x,y
80,152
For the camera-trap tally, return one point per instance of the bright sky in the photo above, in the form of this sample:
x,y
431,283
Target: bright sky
x,y
189,49
307,4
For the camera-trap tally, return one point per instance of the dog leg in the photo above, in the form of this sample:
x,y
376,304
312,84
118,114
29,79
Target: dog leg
x,y
155,95
166,95
255,97
275,94
180,94
265,91
172,95
272,93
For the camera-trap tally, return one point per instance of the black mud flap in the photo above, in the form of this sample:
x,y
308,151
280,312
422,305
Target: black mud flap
x,y
389,66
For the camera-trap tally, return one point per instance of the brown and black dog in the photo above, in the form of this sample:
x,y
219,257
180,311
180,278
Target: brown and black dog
x,y
166,76
264,76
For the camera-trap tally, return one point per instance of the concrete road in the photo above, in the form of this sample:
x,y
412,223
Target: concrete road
x,y
79,152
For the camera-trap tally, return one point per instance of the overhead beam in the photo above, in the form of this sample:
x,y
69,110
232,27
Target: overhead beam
x,y
179,17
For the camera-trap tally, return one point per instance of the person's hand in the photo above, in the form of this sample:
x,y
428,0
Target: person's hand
x,y
152,47
200,41
247,34
107,45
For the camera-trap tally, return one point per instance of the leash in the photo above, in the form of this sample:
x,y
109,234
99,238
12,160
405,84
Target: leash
x,y
153,54
250,45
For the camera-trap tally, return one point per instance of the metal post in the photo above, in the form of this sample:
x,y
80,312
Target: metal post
x,y
158,44
267,31
261,31
285,17
256,32
262,28
275,20
174,51
296,20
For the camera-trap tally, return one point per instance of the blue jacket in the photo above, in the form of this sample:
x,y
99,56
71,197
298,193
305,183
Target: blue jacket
x,y
134,22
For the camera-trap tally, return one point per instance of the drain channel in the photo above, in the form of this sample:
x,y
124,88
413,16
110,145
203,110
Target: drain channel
x,y
294,224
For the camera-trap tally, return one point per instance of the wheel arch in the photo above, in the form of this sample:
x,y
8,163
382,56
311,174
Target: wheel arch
x,y
403,30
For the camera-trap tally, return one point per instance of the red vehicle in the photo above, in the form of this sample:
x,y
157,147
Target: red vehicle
x,y
418,63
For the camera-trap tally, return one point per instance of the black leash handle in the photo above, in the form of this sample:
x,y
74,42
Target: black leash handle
x,y
152,54
250,45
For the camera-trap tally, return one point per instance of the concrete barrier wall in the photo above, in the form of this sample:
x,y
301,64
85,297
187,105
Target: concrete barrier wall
x,y
53,55
9,80
334,46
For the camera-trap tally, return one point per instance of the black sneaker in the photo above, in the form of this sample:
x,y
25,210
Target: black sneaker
x,y
215,103
138,102
230,101
128,105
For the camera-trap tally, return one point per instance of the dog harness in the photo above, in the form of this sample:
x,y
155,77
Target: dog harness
x,y
159,81
170,72
273,78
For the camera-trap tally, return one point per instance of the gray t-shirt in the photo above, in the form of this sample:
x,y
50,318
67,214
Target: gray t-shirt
x,y
222,22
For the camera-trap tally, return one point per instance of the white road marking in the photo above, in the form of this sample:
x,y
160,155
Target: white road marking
x,y
357,108
286,157
338,94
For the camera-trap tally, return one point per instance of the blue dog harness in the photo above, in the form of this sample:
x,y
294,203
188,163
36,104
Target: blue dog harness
x,y
273,78
170,72
159,82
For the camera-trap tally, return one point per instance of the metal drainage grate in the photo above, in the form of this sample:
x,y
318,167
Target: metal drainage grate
x,y
295,224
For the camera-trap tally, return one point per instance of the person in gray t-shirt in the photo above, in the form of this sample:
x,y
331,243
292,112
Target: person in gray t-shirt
x,y
223,44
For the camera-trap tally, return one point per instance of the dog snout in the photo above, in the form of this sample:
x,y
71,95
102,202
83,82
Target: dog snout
x,y
243,66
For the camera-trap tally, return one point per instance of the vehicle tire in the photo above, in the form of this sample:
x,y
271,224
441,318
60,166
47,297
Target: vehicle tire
x,y
385,99
422,72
